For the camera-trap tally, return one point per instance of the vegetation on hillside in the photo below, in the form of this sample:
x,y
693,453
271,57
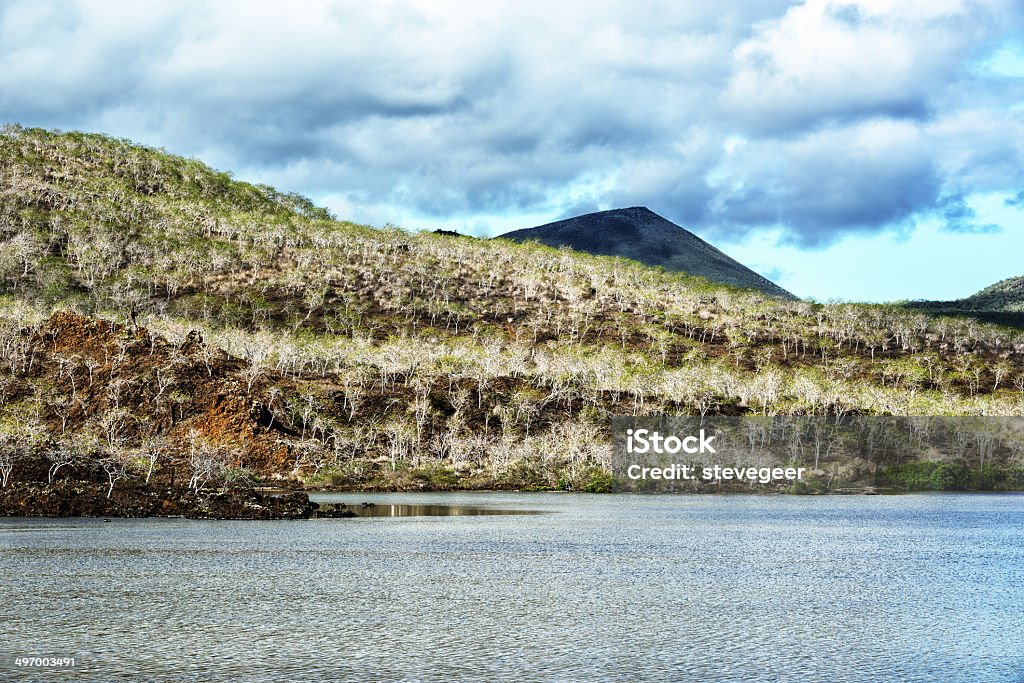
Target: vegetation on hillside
x,y
1001,303
1005,295
159,320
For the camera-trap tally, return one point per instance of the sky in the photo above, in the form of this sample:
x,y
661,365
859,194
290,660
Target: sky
x,y
869,150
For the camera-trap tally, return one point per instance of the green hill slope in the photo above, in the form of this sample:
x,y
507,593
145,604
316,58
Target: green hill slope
x,y
1001,303
150,305
1005,296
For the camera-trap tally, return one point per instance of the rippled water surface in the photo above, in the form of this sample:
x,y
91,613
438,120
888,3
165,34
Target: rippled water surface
x,y
616,588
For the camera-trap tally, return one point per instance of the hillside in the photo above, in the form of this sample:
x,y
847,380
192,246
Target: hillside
x,y
640,234
1006,295
1001,303
161,320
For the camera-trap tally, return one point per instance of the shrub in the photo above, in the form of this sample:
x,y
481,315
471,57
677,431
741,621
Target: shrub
x,y
240,477
929,476
597,480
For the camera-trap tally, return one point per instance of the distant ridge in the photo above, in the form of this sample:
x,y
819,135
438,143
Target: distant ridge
x,y
640,234
1001,303
1006,296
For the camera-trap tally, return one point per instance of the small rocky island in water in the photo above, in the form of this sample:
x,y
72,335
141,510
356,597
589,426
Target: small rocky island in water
x,y
69,498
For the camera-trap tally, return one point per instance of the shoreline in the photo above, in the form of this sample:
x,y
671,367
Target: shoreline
x,y
68,499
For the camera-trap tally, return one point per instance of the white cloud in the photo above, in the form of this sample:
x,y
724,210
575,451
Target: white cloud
x,y
833,59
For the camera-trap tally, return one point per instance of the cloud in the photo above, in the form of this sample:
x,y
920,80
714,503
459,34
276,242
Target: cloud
x,y
958,216
841,179
816,119
824,62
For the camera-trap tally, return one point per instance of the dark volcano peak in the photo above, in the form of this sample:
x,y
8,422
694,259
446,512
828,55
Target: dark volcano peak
x,y
640,234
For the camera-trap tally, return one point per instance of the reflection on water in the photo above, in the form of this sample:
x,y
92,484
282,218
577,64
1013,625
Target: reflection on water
x,y
372,509
917,588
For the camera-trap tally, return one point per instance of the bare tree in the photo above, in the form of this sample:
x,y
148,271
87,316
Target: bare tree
x,y
206,460
17,439
164,380
9,457
117,466
153,448
112,426
400,437
60,455
1000,370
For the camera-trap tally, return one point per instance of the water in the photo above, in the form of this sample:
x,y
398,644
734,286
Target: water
x,y
606,588
331,504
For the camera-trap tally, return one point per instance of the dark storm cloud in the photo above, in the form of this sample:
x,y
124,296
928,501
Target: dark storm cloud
x,y
821,118
838,180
